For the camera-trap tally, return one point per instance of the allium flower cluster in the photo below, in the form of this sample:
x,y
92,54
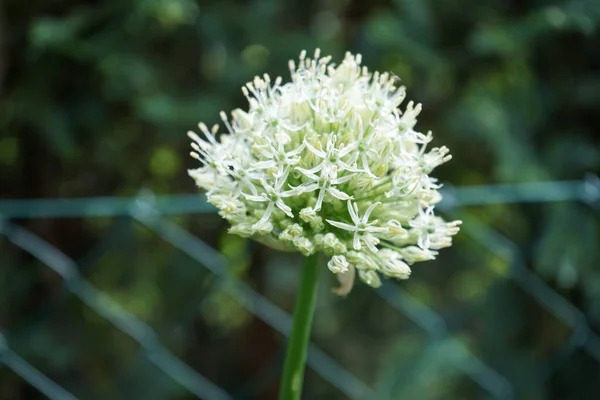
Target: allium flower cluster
x,y
328,163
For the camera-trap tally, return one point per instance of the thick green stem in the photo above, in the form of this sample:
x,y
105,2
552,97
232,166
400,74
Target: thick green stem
x,y
293,370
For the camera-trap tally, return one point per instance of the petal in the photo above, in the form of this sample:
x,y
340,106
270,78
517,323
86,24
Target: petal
x,y
320,199
365,217
264,152
356,241
338,194
343,179
267,186
314,150
285,208
296,151
371,242
377,229
294,128
252,188
346,150
352,211
342,225
254,198
307,187
347,167
265,164
366,168
310,173
267,213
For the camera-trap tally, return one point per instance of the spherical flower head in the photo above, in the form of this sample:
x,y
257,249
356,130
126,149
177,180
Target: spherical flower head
x,y
328,163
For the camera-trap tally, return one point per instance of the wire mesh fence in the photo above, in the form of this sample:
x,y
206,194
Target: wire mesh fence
x,y
151,211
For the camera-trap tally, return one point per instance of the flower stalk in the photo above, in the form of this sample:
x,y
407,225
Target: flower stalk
x,y
295,360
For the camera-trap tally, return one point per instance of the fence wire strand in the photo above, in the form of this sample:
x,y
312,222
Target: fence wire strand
x,y
149,210
552,301
586,190
30,374
257,304
113,312
435,326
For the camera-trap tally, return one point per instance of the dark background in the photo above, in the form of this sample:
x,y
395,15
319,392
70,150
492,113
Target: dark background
x,y
95,100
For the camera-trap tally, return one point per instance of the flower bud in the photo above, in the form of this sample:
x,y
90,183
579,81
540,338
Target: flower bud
x,y
338,264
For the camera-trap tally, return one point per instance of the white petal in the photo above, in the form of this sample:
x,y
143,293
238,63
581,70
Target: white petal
x,y
338,194
314,150
296,151
365,217
255,198
310,173
285,208
356,241
320,199
352,211
343,179
342,225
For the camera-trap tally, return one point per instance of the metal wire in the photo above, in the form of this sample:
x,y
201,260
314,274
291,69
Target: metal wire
x,y
274,316
113,312
582,336
30,374
435,326
149,210
586,190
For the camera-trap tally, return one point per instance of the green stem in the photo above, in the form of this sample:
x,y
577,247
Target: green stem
x,y
293,370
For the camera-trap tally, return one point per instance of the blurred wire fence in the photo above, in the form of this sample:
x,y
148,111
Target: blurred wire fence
x,y
151,212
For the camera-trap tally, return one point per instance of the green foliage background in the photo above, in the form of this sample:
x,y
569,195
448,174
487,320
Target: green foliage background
x,y
95,100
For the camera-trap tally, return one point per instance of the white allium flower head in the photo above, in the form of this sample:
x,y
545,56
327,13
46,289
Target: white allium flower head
x,y
328,163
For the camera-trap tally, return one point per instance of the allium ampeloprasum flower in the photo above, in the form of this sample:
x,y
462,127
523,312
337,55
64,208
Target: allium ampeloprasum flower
x,y
329,163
